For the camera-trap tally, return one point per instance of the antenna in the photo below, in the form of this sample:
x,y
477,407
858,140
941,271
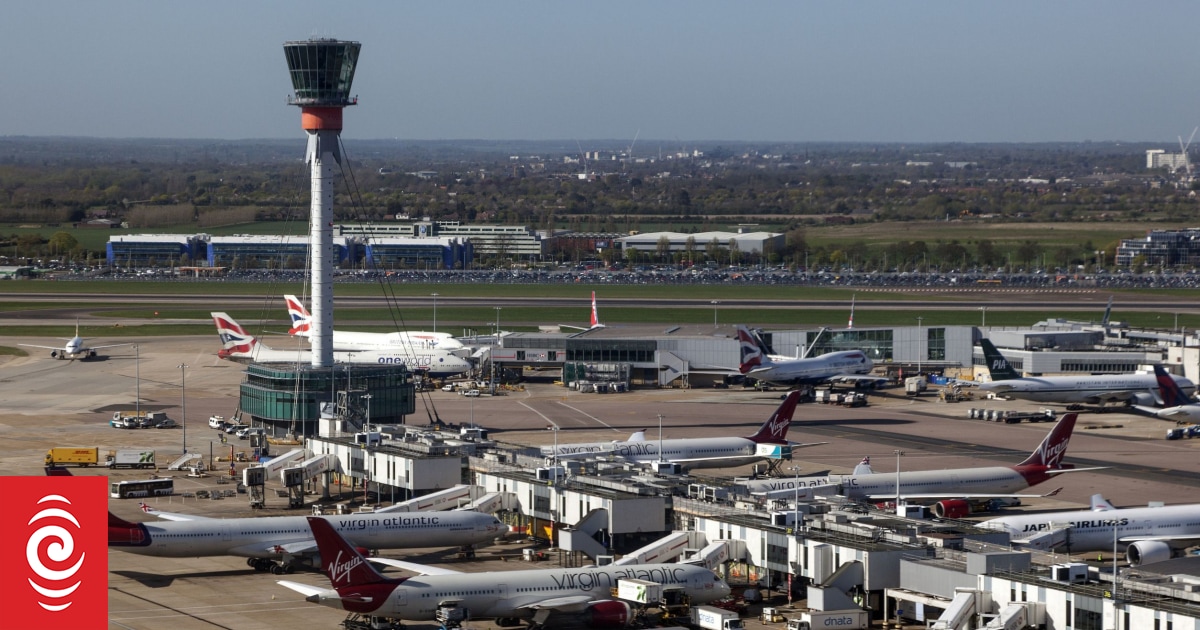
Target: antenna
x,y
1183,148
583,157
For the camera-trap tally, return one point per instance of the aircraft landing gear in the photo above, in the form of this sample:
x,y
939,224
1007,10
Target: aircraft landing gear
x,y
362,622
262,564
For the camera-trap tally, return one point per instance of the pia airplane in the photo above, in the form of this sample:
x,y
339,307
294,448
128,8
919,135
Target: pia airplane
x,y
540,597
715,452
851,366
239,345
355,341
955,492
75,348
278,543
1176,405
1148,534
1140,389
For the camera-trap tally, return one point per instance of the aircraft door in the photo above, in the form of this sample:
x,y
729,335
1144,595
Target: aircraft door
x,y
226,532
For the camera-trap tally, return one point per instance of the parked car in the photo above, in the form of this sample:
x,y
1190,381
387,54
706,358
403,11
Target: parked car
x,y
234,428
448,387
166,424
245,433
471,393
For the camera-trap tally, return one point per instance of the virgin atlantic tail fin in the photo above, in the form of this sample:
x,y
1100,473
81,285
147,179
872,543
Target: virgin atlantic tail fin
x,y
774,430
595,322
344,565
1053,448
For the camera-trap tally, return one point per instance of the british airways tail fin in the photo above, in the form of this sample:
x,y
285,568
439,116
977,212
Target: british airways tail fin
x,y
344,565
997,365
1053,448
235,341
301,320
1172,395
752,354
774,430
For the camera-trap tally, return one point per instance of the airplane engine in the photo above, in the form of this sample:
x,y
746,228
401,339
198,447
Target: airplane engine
x,y
954,508
92,354
1144,398
54,354
1147,552
608,614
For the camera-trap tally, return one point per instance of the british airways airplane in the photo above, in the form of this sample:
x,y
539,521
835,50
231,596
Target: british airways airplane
x,y
239,345
279,543
544,598
715,452
957,492
349,341
850,366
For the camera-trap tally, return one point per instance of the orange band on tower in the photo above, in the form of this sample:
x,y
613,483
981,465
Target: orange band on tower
x,y
317,118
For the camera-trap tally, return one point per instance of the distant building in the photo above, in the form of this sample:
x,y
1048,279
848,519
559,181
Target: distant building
x,y
756,243
146,250
1167,248
1158,158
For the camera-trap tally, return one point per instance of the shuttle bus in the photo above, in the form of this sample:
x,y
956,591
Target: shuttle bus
x,y
139,488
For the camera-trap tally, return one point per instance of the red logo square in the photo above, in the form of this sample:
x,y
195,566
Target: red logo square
x,y
55,546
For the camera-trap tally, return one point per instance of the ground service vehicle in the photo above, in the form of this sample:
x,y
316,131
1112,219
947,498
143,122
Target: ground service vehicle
x,y
815,619
130,458
141,488
711,618
639,591
72,457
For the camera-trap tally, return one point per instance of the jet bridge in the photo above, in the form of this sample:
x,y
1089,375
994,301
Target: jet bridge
x,y
1018,615
447,499
718,553
967,603
294,477
665,549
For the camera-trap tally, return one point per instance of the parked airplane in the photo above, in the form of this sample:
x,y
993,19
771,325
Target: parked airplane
x,y
1142,389
852,366
75,348
1148,534
354,341
538,597
714,452
595,322
239,345
278,543
958,492
1176,405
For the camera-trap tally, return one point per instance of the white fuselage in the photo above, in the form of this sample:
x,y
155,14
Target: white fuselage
x,y
1093,530
437,363
961,481
513,594
815,370
414,340
1082,389
714,452
259,537
1185,413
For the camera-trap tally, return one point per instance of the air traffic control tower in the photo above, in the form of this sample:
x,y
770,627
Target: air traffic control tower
x,y
322,71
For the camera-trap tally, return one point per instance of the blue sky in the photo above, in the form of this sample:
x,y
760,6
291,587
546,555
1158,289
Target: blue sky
x,y
934,71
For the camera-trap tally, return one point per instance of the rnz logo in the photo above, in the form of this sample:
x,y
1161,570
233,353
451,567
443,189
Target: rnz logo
x,y
59,530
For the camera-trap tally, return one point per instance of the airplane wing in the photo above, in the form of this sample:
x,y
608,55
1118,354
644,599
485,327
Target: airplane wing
x,y
1107,397
961,495
307,590
857,379
111,345
1189,539
173,516
569,603
420,569
33,345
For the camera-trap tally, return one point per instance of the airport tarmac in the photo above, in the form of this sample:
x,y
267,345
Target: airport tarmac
x,y
49,403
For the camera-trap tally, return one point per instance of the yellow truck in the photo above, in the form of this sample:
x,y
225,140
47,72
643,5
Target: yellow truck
x,y
73,457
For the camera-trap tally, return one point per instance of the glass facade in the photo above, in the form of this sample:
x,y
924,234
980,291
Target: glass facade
x,y
283,396
612,350
322,70
877,344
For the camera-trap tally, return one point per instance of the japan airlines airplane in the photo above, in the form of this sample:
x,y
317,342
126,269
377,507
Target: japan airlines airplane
x,y
354,341
958,492
1148,534
239,345
539,597
278,543
716,452
850,366
1142,389
1176,405
75,348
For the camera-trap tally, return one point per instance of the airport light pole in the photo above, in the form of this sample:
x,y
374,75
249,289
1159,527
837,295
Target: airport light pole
x,y
920,344
899,453
983,323
714,305
183,406
435,297
795,503
137,379
368,397
1115,525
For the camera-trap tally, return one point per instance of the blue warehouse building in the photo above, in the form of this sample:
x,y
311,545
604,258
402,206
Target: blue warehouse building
x,y
149,250
391,252
269,251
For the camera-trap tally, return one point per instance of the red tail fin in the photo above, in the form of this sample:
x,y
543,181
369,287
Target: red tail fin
x,y
344,565
595,318
774,430
1172,396
1051,451
122,533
